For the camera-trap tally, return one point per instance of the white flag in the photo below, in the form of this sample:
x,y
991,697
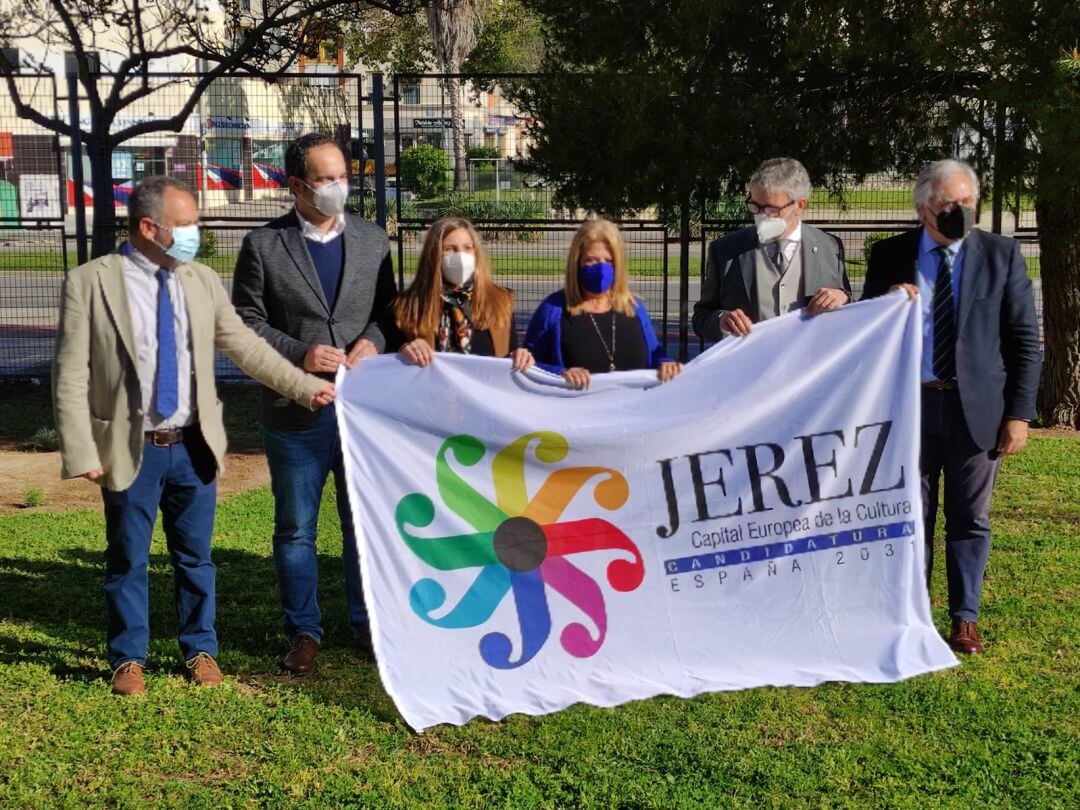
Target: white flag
x,y
754,522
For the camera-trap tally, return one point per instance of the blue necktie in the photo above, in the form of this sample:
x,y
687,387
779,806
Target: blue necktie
x,y
944,319
167,393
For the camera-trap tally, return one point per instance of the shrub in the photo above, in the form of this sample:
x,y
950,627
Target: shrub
x,y
424,170
33,497
408,211
482,152
459,204
45,439
871,240
727,208
208,245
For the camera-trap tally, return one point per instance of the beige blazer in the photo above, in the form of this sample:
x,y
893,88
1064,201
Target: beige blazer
x,y
96,393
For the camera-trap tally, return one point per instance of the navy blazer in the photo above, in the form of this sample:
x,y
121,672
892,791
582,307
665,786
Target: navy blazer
x,y
544,336
998,359
731,264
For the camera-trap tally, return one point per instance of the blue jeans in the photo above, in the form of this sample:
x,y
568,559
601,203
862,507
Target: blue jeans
x,y
300,461
181,479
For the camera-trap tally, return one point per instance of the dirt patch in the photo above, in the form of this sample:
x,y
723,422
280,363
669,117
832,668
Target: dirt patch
x,y
24,474
1055,433
37,476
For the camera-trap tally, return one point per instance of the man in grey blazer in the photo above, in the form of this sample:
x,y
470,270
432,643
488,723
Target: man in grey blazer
x,y
780,265
318,285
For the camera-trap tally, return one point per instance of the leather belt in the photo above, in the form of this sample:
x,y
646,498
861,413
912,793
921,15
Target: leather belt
x,y
939,385
165,437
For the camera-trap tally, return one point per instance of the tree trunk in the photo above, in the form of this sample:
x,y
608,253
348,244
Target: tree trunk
x,y
104,234
457,116
1059,238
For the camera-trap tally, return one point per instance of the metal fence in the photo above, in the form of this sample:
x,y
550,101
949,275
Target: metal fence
x,y
230,150
414,155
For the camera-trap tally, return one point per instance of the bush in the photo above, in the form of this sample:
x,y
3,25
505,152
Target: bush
x,y
424,170
483,168
871,240
208,245
408,211
486,152
459,204
45,439
728,209
33,497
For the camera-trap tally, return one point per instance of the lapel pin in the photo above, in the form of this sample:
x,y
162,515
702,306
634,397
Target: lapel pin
x,y
813,249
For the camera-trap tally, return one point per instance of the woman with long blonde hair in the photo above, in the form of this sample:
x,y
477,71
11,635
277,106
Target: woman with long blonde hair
x,y
595,324
453,305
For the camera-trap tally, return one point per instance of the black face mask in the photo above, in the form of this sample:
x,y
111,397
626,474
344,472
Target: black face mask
x,y
956,223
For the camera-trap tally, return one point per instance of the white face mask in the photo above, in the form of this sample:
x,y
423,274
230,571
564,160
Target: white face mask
x,y
329,199
769,228
458,268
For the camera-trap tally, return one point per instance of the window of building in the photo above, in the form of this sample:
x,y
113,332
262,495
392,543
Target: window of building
x,y
224,156
321,42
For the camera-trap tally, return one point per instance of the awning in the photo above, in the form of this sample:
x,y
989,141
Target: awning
x,y
149,141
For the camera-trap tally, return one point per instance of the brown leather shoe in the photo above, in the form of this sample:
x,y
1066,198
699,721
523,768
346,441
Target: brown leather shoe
x,y
203,670
300,659
965,637
127,680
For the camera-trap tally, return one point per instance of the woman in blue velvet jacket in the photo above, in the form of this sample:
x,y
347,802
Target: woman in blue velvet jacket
x,y
595,324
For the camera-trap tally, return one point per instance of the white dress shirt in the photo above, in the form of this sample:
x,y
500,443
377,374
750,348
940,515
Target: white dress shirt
x,y
140,281
792,242
316,234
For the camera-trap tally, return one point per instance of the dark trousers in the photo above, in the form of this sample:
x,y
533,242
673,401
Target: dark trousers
x,y
947,448
300,462
182,480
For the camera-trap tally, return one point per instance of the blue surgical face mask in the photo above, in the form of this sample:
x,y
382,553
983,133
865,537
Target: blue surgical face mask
x,y
597,277
185,242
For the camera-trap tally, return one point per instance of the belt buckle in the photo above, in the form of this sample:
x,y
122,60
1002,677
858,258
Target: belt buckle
x,y
165,435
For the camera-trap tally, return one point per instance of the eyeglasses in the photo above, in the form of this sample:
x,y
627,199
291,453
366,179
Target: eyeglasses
x,y
767,210
966,202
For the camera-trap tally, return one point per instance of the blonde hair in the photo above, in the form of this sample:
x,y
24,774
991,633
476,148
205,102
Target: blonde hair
x,y
418,309
598,230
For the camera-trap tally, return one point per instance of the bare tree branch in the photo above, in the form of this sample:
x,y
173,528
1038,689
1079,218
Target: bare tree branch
x,y
75,40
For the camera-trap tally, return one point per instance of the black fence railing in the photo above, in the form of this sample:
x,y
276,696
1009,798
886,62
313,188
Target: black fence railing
x,y
419,147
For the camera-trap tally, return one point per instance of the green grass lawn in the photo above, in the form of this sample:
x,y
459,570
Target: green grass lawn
x,y
1001,730
863,199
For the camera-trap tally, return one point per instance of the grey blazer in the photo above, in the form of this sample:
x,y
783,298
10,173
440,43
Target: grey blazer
x,y
278,294
730,270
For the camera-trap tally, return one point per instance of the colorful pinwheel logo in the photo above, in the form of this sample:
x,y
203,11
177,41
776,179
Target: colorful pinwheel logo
x,y
519,546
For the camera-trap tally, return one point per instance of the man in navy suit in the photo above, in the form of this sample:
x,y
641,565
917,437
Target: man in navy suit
x,y
980,368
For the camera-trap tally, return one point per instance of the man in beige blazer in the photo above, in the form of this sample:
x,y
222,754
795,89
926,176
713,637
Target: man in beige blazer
x,y
137,412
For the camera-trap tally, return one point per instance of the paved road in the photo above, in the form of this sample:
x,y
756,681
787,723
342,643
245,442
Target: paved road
x,y
29,301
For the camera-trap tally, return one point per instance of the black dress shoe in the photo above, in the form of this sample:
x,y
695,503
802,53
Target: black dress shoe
x,y
300,659
363,645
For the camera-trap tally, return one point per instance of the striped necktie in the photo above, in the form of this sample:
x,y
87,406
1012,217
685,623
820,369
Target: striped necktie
x,y
944,313
167,394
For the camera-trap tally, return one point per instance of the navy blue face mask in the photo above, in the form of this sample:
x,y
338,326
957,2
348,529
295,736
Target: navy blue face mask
x,y
596,278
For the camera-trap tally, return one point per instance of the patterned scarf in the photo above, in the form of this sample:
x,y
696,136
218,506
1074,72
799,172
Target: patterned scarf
x,y
455,325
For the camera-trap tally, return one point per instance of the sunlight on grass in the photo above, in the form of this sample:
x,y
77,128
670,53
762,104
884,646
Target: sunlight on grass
x,y
1000,730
